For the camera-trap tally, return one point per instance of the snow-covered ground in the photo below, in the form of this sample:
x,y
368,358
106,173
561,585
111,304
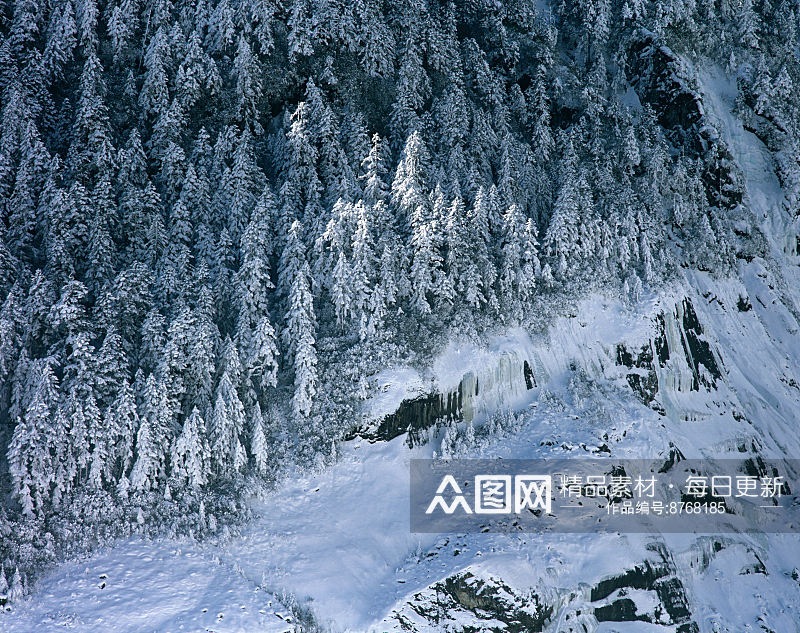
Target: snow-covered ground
x,y
140,586
339,540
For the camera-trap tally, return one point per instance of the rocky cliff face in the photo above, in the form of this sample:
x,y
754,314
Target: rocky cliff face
x,y
677,357
663,80
714,367
650,592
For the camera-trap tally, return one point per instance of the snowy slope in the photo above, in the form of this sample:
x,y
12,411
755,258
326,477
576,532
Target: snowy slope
x,y
339,540
148,586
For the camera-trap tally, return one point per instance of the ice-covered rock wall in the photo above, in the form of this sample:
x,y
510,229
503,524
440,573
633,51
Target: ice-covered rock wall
x,y
466,382
675,361
721,352
499,376
659,350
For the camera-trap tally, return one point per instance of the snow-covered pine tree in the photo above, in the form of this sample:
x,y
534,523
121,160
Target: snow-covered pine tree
x,y
258,442
145,469
363,266
16,591
190,454
410,198
255,334
242,184
30,452
122,420
299,339
155,435
561,238
197,77
226,427
463,255
375,171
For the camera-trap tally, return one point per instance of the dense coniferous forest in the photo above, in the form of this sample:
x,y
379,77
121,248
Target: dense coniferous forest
x,y
218,219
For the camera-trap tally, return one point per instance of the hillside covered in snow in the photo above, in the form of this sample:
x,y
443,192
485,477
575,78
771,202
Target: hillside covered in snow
x,y
257,255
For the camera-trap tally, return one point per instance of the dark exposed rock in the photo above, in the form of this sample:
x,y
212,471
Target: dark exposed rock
x,y
663,81
658,576
744,305
673,596
504,609
493,598
756,467
413,416
643,383
530,381
660,342
693,347
698,351
622,610
673,457
643,577
646,387
643,360
417,414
